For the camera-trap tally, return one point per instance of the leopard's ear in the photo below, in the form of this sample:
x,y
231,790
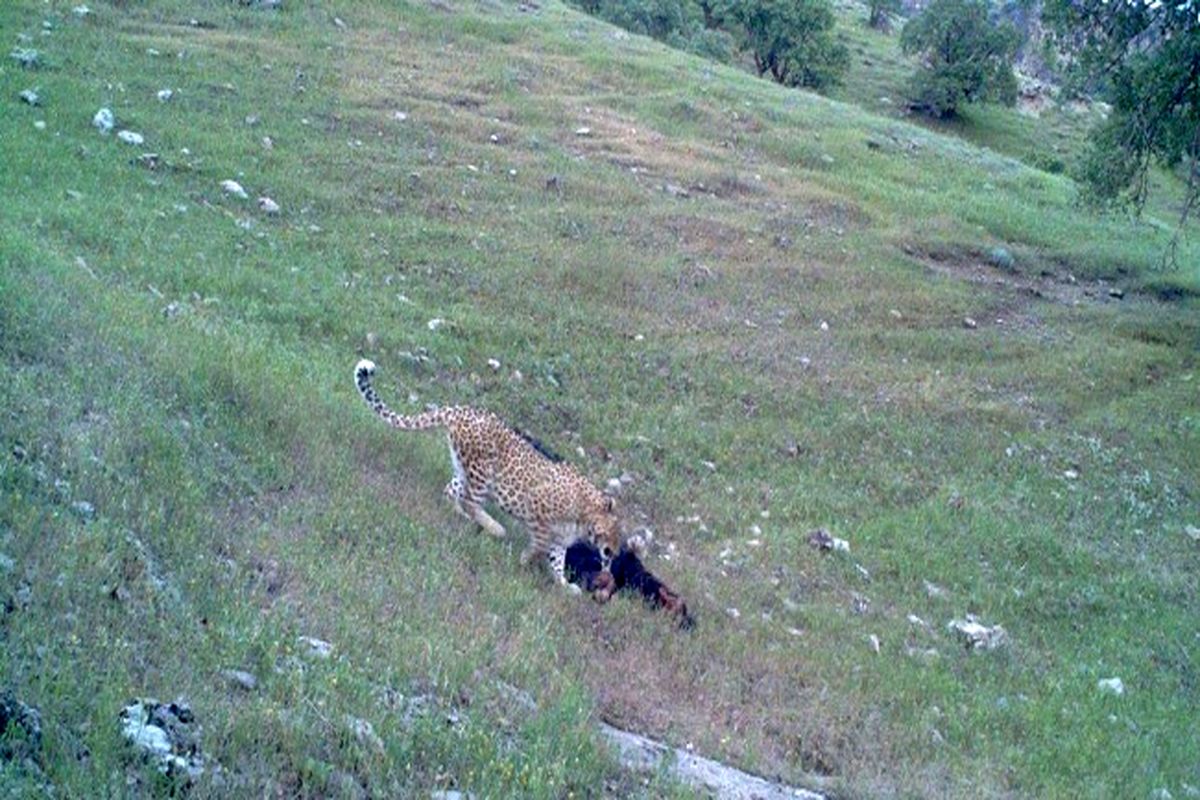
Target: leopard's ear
x,y
610,503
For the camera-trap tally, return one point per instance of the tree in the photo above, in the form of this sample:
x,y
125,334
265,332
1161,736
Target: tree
x,y
790,39
967,57
1144,57
881,12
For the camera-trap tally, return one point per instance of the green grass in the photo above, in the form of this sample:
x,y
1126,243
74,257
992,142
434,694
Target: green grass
x,y
244,497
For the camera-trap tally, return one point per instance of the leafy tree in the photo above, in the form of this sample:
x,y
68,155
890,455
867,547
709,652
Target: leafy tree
x,y
881,12
1145,58
967,56
683,24
790,39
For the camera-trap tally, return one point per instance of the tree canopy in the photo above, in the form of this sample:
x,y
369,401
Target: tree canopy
x,y
967,56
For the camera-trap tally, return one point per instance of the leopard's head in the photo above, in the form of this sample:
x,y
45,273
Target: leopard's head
x,y
604,530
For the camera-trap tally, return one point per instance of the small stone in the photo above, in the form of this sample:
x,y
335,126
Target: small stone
x,y
131,137
81,11
1193,532
1111,686
268,206
7,564
1001,258
1071,474
435,323
316,648
675,190
240,679
83,509
234,188
494,139
895,314
874,640
40,124
165,94
339,23
30,97
976,635
251,120
365,733
171,310
400,116
493,364
733,613
104,120
614,485
824,325
824,540
1116,294
27,57
584,131
970,323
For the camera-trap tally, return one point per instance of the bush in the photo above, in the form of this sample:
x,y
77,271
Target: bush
x,y
792,40
967,57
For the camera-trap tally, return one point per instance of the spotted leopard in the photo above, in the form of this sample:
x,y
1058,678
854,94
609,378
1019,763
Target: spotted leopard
x,y
492,461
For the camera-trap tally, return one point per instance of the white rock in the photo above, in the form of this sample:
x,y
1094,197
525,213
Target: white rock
x,y
584,131
933,591
365,733
1070,474
435,323
268,205
733,613
494,364
165,94
874,640
316,648
131,137
81,11
824,325
1111,686
1193,532
400,116
40,124
969,322
976,635
104,120
234,188
31,97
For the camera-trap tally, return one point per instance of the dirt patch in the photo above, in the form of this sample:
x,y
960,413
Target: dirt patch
x,y
1061,288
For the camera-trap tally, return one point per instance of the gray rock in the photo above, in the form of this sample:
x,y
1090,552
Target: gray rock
x,y
976,635
316,648
83,509
131,137
234,188
104,120
27,57
1000,257
165,734
240,678
364,733
20,729
6,563
31,97
1111,686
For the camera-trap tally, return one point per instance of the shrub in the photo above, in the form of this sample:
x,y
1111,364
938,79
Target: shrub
x,y
967,57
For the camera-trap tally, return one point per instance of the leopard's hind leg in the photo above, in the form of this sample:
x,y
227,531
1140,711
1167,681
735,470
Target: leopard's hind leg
x,y
468,493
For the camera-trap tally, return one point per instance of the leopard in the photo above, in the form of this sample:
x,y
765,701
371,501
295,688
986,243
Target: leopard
x,y
492,461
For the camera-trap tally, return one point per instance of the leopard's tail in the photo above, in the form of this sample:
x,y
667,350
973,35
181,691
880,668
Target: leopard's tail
x,y
363,371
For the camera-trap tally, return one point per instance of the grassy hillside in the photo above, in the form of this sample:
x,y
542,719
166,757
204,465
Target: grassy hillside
x,y
751,302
